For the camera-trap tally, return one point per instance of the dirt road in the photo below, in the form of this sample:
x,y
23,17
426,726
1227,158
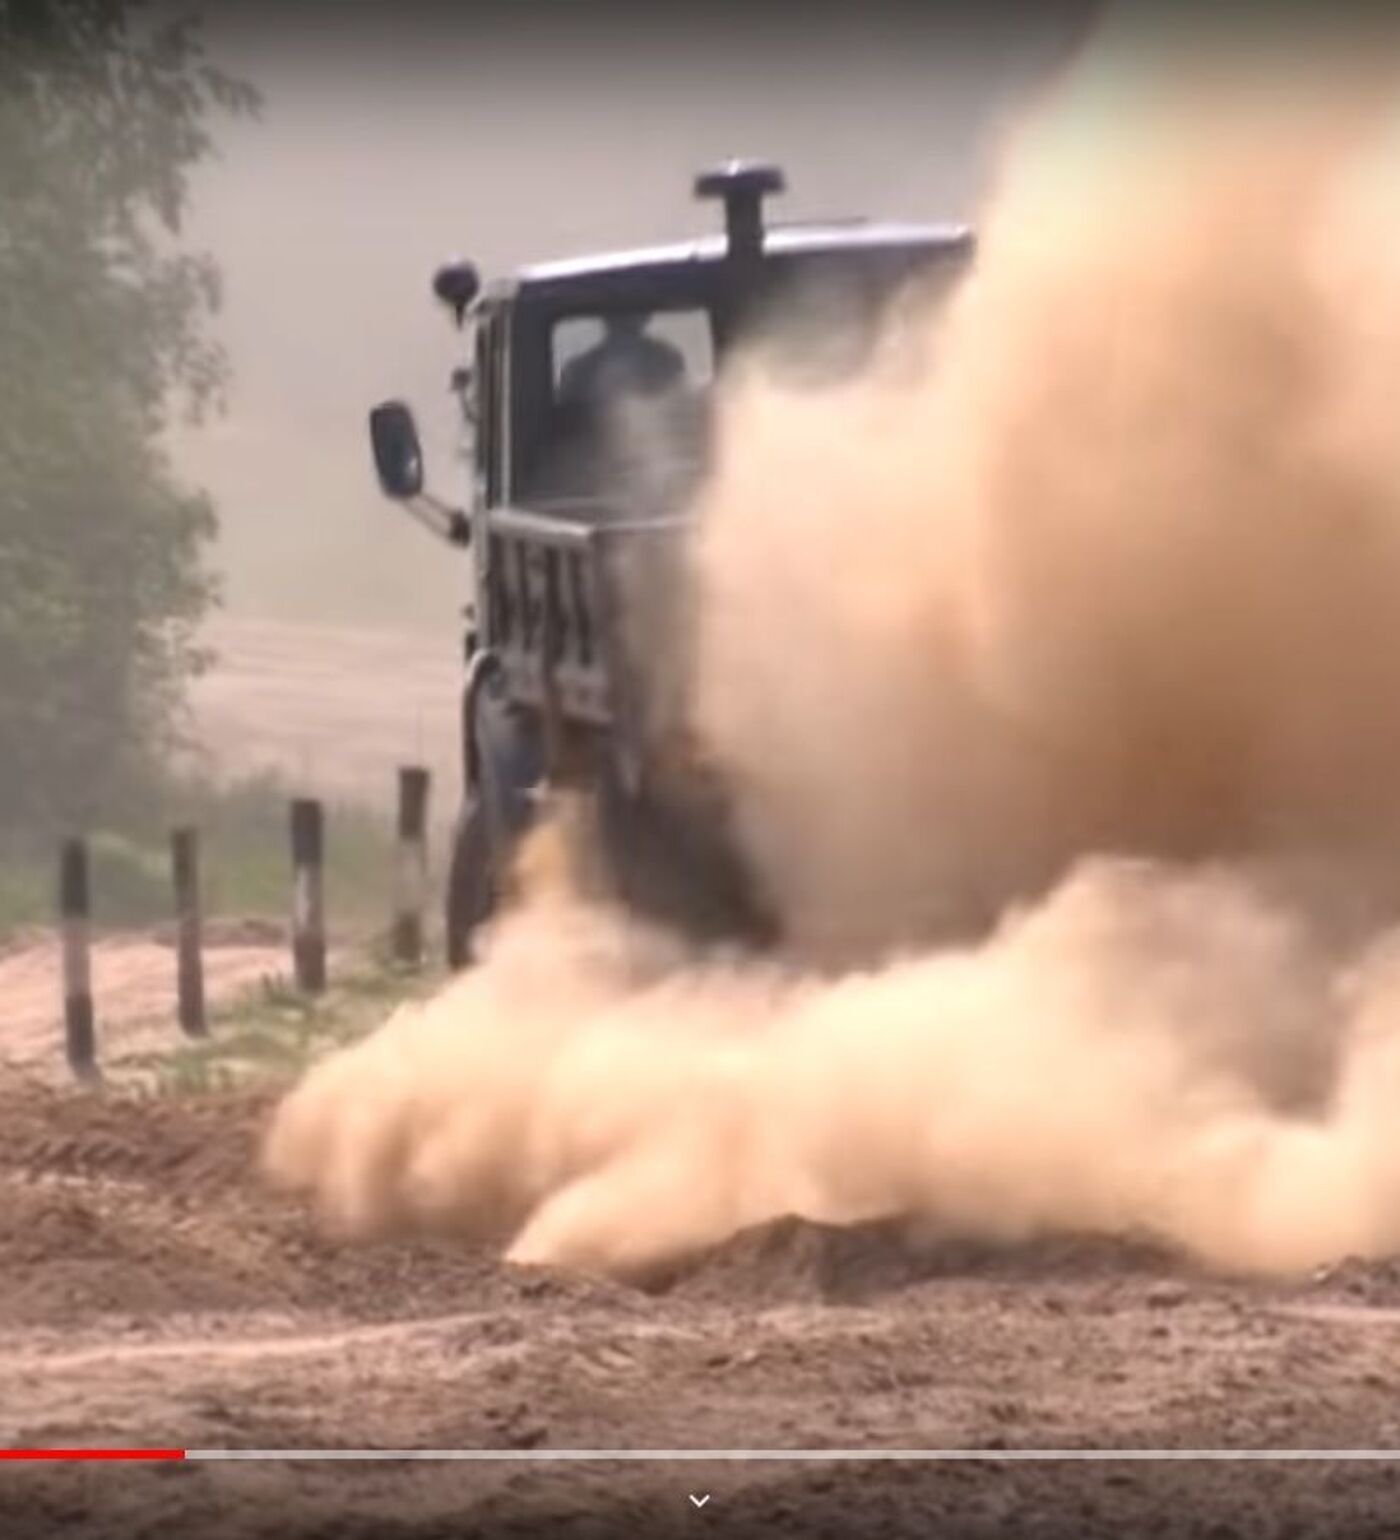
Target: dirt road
x,y
134,985
152,1291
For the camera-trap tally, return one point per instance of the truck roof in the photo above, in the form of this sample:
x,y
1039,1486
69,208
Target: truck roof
x,y
645,264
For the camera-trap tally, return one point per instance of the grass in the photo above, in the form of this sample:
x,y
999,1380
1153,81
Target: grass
x,y
246,871
272,1033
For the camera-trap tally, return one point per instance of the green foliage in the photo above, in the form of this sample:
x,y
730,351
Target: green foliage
x,y
133,879
244,855
103,114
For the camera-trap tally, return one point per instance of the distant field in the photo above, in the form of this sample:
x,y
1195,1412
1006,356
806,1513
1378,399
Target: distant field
x,y
287,710
332,711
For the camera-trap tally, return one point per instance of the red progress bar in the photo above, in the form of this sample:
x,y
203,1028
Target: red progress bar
x,y
92,1454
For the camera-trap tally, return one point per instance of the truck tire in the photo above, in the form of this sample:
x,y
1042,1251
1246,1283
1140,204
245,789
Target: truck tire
x,y
673,861
471,884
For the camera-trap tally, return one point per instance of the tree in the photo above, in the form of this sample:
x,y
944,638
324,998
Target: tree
x,y
104,111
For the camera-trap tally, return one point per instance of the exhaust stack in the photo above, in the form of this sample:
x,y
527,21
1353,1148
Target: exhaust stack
x,y
743,185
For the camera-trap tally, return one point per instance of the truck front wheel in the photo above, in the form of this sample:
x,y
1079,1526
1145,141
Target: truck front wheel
x,y
471,883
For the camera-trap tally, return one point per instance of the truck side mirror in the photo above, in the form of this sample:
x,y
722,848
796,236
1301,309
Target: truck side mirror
x,y
398,457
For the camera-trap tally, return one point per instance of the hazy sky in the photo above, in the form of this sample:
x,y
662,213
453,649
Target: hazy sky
x,y
386,145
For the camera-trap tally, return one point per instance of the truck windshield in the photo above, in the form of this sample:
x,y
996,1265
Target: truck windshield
x,y
629,352
627,411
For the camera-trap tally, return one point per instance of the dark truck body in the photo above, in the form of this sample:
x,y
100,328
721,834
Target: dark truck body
x,y
559,692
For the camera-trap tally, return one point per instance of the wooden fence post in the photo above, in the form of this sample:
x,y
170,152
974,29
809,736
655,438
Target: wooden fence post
x,y
308,897
80,1038
412,867
189,974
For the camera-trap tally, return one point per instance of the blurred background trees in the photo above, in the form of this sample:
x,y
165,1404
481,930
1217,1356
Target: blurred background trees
x,y
105,109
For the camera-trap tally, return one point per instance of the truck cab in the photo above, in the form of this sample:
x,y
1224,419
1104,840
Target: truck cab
x,y
589,405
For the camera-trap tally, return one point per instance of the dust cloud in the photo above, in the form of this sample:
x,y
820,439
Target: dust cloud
x,y
1055,666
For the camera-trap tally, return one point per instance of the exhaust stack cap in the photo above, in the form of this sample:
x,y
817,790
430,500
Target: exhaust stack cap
x,y
743,185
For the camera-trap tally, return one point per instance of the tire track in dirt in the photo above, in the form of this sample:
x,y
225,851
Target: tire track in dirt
x,y
153,1290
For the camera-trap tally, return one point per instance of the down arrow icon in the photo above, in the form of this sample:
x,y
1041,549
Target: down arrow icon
x,y
700,1501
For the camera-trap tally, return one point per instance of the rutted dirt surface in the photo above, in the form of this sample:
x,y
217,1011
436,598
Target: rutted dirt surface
x,y
154,1292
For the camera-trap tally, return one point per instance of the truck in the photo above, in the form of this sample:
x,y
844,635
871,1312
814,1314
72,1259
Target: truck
x,y
588,406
